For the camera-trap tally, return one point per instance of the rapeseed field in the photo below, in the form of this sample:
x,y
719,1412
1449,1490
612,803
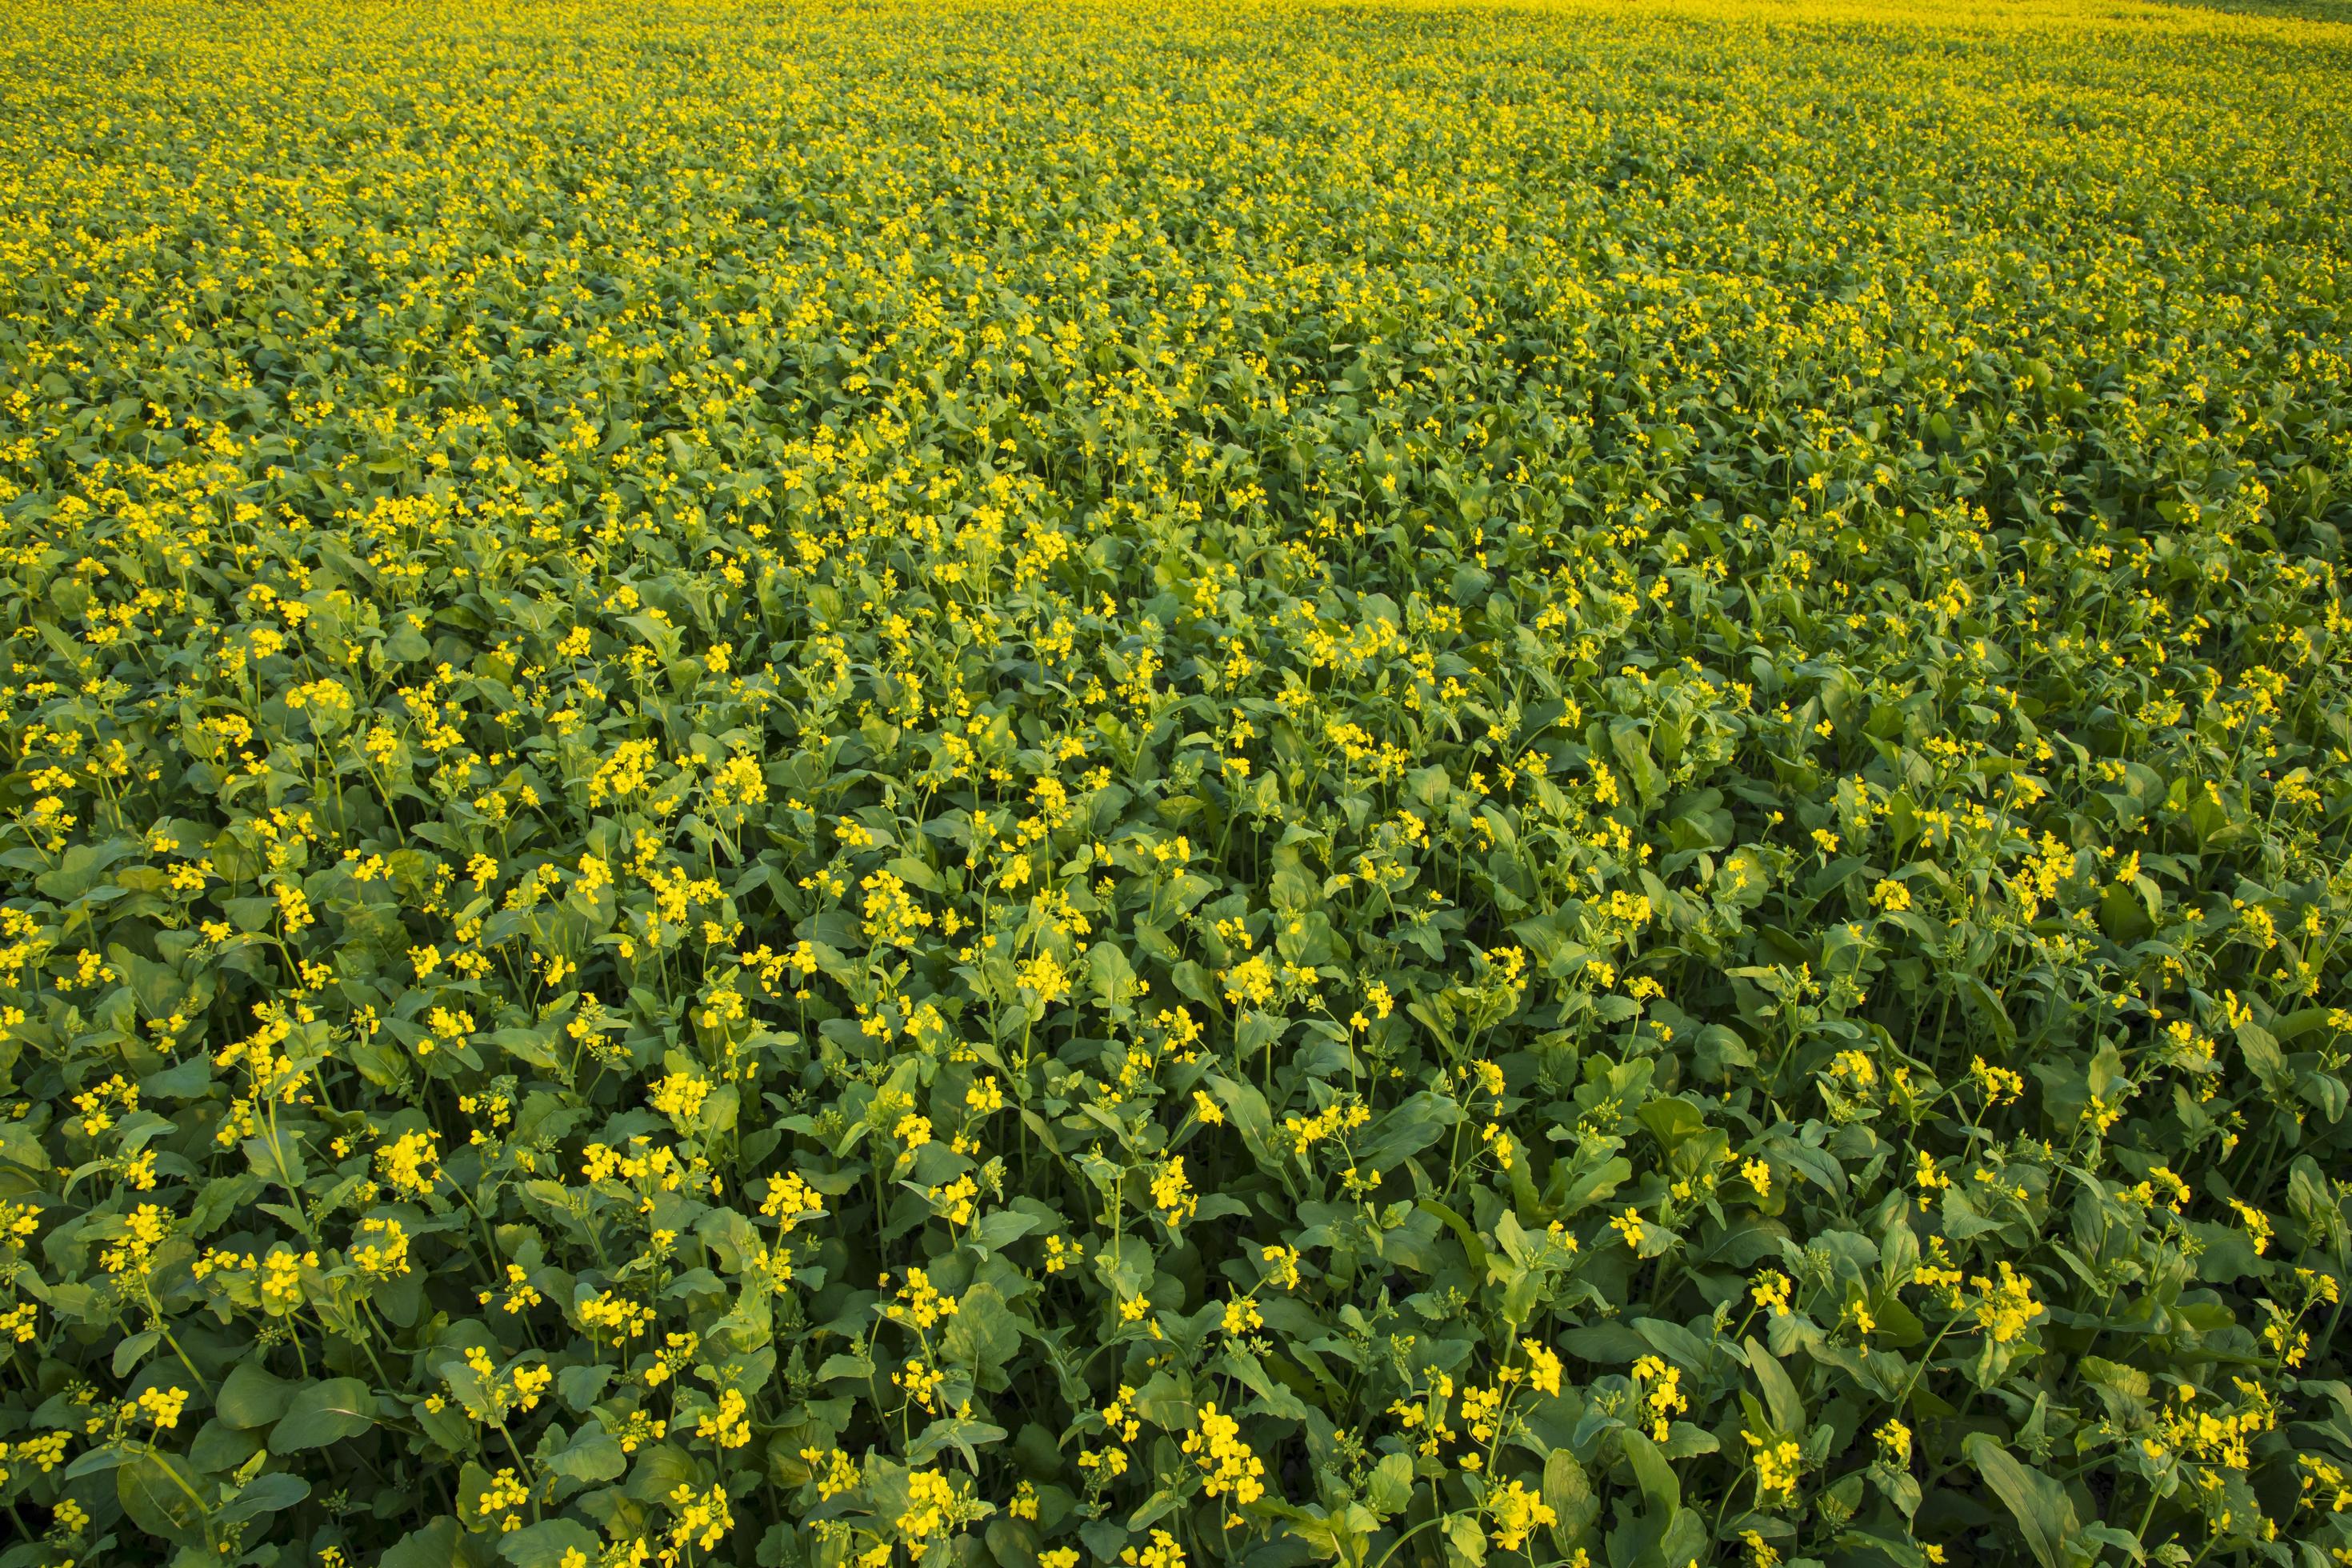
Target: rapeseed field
x,y
852,785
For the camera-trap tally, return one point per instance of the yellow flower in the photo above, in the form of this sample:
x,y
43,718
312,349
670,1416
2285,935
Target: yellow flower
x,y
2005,1308
1516,1511
1659,1388
408,1164
1172,1195
1543,1367
1281,1265
1778,1464
162,1407
1227,1466
1161,1552
680,1096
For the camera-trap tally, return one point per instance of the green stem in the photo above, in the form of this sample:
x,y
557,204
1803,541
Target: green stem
x,y
1408,1535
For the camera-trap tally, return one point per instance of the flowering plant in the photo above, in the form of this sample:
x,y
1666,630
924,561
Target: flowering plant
x,y
789,786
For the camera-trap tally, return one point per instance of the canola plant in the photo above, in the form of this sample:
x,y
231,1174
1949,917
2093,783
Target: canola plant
x,y
833,786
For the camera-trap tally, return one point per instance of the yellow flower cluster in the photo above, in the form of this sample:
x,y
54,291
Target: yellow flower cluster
x,y
1227,1467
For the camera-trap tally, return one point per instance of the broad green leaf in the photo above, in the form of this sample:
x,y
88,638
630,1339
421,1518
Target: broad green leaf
x,y
318,1414
164,1497
250,1396
2044,1514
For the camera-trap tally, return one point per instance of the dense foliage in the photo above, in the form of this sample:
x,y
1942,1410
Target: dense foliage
x,y
840,786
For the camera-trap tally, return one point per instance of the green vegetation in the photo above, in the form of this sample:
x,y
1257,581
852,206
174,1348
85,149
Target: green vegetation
x,y
836,786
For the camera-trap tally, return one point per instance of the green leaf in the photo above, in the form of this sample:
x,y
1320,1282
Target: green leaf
x,y
1782,1400
543,1545
995,1232
594,1455
1567,1491
983,1334
1662,1494
1165,1401
160,1496
582,1386
1343,1533
1671,1119
1471,1244
434,1545
1420,1121
1250,1117
1683,1541
1111,978
272,1493
323,1413
251,1396
131,1348
2044,1514
1276,1398
957,1431
1391,1488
